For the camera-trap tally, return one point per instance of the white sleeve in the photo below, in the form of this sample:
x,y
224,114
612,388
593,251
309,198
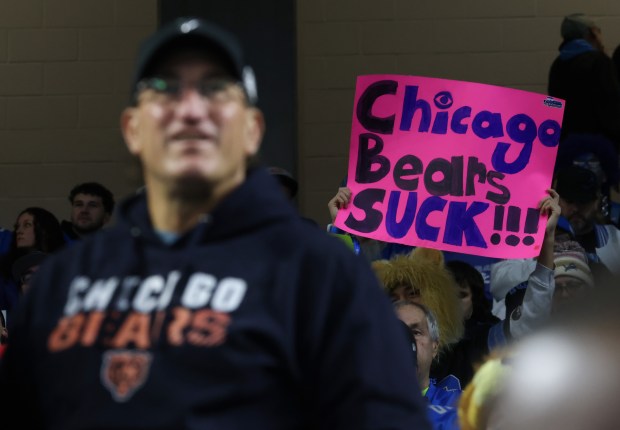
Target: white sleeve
x,y
536,306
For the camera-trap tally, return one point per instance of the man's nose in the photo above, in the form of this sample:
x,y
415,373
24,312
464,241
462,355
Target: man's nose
x,y
192,105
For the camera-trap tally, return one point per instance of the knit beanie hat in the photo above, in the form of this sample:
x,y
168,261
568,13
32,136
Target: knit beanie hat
x,y
576,26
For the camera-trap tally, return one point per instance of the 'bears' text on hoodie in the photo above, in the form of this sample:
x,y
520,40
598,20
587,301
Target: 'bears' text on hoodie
x,y
133,312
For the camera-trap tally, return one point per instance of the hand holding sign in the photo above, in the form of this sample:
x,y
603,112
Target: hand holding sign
x,y
450,165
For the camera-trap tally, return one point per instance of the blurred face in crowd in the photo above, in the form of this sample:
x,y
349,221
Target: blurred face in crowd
x,y
567,289
580,215
416,320
596,39
465,297
24,231
88,213
407,293
193,125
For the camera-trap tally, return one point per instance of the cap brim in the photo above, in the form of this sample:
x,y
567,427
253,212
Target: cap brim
x,y
203,36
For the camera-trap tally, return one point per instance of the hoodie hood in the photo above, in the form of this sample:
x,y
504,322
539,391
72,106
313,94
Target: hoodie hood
x,y
573,48
257,201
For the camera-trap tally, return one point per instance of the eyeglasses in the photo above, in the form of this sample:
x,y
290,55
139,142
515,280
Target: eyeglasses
x,y
171,89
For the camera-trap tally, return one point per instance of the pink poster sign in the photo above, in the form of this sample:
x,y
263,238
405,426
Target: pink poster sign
x,y
451,165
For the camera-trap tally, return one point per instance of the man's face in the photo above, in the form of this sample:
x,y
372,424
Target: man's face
x,y
427,348
189,137
88,213
580,215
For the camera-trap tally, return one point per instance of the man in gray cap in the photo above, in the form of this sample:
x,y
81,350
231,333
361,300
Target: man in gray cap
x,y
210,304
584,76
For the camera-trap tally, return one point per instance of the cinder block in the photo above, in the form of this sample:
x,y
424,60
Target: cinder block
x,y
312,73
101,111
79,13
564,7
135,13
21,79
316,175
445,65
326,139
358,10
309,11
329,38
79,78
42,45
111,43
327,106
529,33
23,13
4,50
508,69
500,9
470,35
42,112
123,70
383,37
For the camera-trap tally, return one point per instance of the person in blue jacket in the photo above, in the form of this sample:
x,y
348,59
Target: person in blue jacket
x,y
210,303
442,396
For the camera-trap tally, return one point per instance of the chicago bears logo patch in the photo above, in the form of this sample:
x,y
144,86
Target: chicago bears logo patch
x,y
123,372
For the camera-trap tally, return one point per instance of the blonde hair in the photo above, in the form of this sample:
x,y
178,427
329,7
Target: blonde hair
x,y
479,396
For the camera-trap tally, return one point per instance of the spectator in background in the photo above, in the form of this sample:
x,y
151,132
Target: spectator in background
x,y
598,154
580,200
572,274
529,310
422,277
287,182
289,186
35,229
23,270
442,396
585,77
92,206
479,322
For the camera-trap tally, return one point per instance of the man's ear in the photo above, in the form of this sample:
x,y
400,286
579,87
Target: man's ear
x,y
255,130
129,128
435,349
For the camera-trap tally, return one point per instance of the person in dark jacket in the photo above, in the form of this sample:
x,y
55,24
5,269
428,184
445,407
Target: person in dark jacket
x,y
585,77
210,303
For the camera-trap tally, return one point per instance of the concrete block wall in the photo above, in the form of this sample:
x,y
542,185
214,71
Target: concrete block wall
x,y
509,43
65,67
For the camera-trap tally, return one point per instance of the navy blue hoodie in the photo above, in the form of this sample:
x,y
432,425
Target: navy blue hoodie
x,y
255,319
